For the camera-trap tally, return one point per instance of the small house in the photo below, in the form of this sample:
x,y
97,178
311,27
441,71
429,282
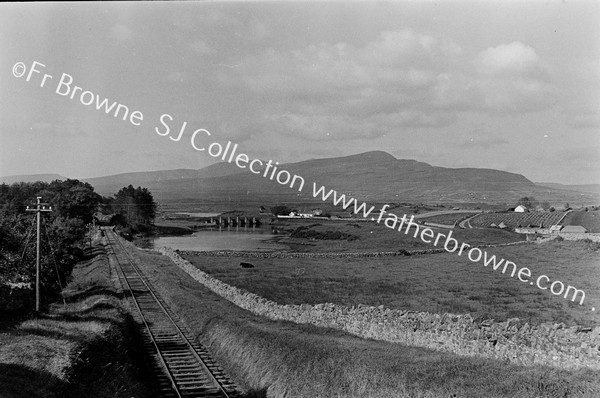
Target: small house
x,y
305,214
521,209
555,228
574,229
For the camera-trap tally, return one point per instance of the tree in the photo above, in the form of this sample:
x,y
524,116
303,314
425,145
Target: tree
x,y
135,205
62,231
280,210
74,199
528,202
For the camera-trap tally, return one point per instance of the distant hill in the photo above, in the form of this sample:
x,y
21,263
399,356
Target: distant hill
x,y
31,178
592,188
110,185
373,176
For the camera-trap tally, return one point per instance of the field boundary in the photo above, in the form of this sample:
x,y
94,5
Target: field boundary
x,y
398,253
515,341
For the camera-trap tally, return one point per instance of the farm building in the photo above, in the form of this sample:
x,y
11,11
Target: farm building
x,y
578,229
521,209
305,214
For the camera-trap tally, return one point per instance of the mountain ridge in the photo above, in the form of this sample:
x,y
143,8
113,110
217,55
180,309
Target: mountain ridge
x,y
373,175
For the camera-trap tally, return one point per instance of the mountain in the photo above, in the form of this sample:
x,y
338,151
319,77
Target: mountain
x,y
110,185
31,178
591,188
373,176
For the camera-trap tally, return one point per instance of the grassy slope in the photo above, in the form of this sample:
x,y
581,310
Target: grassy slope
x,y
588,219
283,359
377,237
81,349
441,282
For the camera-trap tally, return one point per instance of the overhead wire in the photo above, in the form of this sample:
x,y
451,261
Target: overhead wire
x,y
55,264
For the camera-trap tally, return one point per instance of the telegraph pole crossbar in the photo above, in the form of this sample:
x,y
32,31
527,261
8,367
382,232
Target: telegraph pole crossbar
x,y
40,207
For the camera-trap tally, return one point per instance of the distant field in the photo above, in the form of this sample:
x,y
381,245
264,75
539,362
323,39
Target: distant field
x,y
447,219
434,283
377,237
588,219
512,220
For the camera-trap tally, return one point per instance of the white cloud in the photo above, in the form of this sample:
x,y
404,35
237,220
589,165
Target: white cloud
x,y
401,79
513,58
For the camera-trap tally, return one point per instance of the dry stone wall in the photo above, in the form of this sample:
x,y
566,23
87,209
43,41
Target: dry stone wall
x,y
580,236
513,340
258,254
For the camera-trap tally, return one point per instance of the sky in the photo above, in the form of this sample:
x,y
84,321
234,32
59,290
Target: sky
x,y
508,85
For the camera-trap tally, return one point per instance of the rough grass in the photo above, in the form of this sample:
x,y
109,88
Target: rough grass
x,y
447,219
282,359
590,220
371,236
84,348
441,282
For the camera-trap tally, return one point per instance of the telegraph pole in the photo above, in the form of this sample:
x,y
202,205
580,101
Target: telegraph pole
x,y
40,207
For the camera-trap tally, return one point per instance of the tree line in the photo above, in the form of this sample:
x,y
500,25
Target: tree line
x,y
63,232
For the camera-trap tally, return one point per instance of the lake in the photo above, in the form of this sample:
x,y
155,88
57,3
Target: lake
x,y
186,213
238,239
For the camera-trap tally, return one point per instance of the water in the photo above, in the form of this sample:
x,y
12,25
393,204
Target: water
x,y
240,239
185,213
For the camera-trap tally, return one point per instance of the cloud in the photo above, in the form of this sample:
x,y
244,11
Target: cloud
x,y
399,80
324,89
513,58
517,95
407,47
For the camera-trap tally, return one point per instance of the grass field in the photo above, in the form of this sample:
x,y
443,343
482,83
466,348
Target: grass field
x,y
372,237
83,348
441,282
447,219
590,220
282,359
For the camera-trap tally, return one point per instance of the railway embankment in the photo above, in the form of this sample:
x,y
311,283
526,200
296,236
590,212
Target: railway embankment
x,y
84,346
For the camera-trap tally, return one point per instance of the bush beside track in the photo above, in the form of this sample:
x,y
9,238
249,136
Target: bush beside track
x,y
86,347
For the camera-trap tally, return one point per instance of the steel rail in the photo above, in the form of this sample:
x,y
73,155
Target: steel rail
x,y
172,376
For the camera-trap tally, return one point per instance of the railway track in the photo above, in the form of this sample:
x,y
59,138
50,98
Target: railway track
x,y
182,367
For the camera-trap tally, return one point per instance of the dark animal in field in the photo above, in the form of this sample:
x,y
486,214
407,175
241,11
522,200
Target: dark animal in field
x,y
246,265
